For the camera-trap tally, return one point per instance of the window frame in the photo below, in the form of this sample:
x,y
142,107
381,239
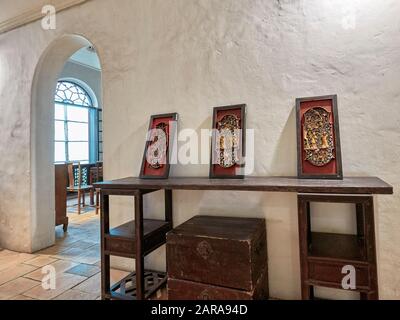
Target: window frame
x,y
93,127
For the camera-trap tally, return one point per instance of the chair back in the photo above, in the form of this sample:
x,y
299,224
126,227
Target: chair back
x,y
96,173
74,175
99,171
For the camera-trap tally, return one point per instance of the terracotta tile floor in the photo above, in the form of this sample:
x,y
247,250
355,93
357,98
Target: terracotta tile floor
x,y
75,257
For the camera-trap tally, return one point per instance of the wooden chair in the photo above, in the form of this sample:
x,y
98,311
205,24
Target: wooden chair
x,y
75,184
96,175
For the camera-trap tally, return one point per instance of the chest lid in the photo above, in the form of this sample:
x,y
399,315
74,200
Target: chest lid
x,y
240,229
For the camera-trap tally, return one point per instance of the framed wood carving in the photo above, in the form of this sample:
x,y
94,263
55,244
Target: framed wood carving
x,y
228,142
318,138
156,157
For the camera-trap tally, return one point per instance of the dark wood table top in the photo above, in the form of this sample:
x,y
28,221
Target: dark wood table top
x,y
349,185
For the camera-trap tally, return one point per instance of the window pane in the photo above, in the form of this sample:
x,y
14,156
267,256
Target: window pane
x,y
78,114
78,131
69,92
78,151
59,112
59,131
59,154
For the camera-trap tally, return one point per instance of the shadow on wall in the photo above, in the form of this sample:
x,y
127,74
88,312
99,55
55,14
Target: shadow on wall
x,y
285,155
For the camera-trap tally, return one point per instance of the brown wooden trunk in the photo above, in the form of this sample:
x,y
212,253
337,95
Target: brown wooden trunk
x,y
221,251
189,290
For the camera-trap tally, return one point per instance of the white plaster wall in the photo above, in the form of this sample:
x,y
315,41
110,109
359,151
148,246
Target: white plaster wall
x,y
14,146
189,56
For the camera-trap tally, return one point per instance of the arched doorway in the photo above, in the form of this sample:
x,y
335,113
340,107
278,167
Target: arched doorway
x,y
45,80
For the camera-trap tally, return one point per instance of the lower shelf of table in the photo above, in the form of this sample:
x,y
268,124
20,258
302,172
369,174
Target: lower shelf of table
x,y
126,288
121,240
337,246
329,253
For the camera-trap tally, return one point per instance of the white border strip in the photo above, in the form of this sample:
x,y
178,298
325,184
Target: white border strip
x,y
35,14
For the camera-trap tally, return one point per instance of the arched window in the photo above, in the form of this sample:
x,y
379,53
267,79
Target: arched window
x,y
76,124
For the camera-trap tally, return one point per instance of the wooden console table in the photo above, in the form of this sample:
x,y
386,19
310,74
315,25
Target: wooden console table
x,y
138,238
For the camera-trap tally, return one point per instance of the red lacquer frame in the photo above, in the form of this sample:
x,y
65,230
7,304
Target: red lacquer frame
x,y
217,171
146,171
332,170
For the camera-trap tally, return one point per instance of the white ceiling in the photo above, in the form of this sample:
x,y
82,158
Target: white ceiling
x,y
86,57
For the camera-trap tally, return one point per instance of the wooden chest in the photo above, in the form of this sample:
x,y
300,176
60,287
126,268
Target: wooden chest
x,y
189,290
220,252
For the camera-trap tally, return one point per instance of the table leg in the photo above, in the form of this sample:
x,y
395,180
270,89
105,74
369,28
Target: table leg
x,y
168,206
369,231
79,202
105,259
140,289
304,223
91,197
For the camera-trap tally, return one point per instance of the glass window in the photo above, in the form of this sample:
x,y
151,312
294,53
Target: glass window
x,y
59,112
77,114
59,132
78,151
74,117
60,152
78,131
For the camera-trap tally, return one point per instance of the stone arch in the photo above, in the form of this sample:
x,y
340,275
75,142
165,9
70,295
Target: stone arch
x,y
44,83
